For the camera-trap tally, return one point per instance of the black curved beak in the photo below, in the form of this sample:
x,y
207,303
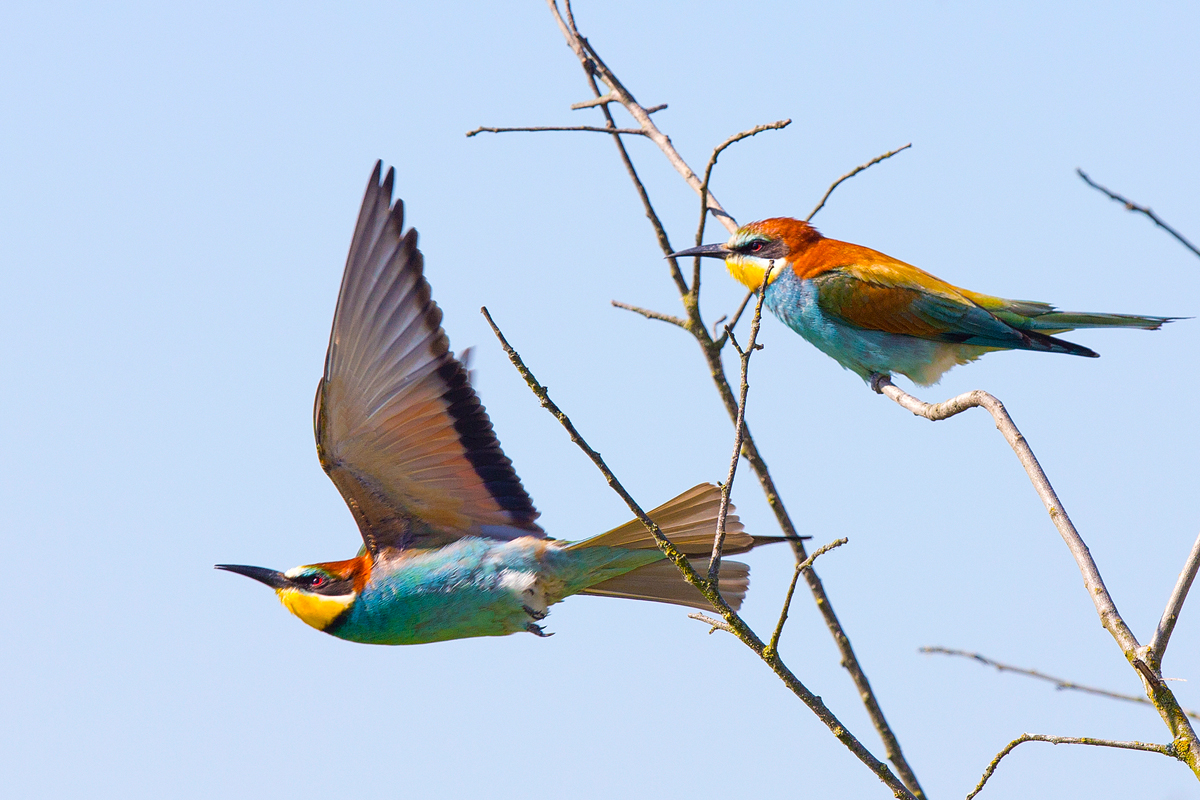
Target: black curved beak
x,y
272,578
710,250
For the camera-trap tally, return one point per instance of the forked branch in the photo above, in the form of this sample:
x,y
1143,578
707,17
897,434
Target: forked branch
x,y
594,68
806,564
1162,635
1186,744
735,624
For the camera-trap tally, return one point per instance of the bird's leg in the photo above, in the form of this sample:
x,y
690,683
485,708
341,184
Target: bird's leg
x,y
877,381
533,612
537,630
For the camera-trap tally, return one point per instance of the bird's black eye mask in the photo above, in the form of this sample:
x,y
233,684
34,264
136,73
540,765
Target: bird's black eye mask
x,y
323,584
762,248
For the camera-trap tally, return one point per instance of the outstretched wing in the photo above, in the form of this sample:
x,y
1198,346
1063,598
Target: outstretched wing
x,y
399,429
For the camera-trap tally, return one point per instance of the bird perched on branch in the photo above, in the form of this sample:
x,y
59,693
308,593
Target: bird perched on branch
x,y
451,546
876,315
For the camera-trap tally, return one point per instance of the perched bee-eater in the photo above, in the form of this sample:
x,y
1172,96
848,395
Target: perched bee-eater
x,y
451,546
876,315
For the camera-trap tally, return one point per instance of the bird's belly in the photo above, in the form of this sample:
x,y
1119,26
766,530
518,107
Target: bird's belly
x,y
460,591
861,350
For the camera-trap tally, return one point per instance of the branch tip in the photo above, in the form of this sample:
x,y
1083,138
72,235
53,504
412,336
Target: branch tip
x,y
1132,206
851,174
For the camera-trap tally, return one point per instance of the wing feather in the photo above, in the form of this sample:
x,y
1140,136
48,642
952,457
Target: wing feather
x,y
894,297
399,429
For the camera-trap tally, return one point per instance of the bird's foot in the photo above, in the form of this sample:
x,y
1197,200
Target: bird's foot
x,y
533,612
877,381
538,630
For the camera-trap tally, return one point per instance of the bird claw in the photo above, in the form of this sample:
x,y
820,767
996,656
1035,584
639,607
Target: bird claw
x,y
877,381
535,613
537,630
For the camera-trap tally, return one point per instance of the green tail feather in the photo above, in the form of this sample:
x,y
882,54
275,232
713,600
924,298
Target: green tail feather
x,y
1057,321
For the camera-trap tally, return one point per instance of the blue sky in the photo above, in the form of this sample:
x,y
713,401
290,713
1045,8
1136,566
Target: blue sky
x,y
177,194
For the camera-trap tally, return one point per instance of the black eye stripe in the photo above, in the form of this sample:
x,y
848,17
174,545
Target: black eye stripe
x,y
762,248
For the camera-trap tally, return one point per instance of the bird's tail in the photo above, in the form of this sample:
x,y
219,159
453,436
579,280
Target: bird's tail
x,y
1030,315
1059,321
689,521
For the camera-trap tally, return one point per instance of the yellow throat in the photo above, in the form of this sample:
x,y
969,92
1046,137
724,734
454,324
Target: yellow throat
x,y
317,610
749,271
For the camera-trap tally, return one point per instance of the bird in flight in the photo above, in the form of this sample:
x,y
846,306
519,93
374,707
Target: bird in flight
x,y
876,315
451,546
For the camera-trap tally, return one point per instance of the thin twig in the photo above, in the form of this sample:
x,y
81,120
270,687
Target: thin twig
x,y
648,314
543,396
737,315
737,625
704,209
806,564
1162,635
851,174
608,98
717,625
541,128
1165,749
739,426
1158,692
1059,683
1132,206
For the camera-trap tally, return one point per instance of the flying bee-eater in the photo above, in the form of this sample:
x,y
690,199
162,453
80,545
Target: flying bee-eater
x,y
876,315
451,546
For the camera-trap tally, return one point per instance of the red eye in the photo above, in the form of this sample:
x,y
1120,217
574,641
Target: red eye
x,y
755,247
315,581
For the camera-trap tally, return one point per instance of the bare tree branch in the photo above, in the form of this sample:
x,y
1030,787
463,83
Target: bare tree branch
x,y
773,645
1132,206
648,314
673,553
595,65
739,434
737,315
705,210
1158,692
737,626
717,625
1059,683
608,98
1165,749
539,128
1162,636
851,174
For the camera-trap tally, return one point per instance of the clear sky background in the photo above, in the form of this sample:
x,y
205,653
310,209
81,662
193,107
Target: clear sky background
x,y
178,184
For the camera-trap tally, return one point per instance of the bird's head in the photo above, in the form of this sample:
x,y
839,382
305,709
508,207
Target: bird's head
x,y
758,247
316,593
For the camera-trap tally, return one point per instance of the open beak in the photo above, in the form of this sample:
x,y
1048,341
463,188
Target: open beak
x,y
710,250
272,578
